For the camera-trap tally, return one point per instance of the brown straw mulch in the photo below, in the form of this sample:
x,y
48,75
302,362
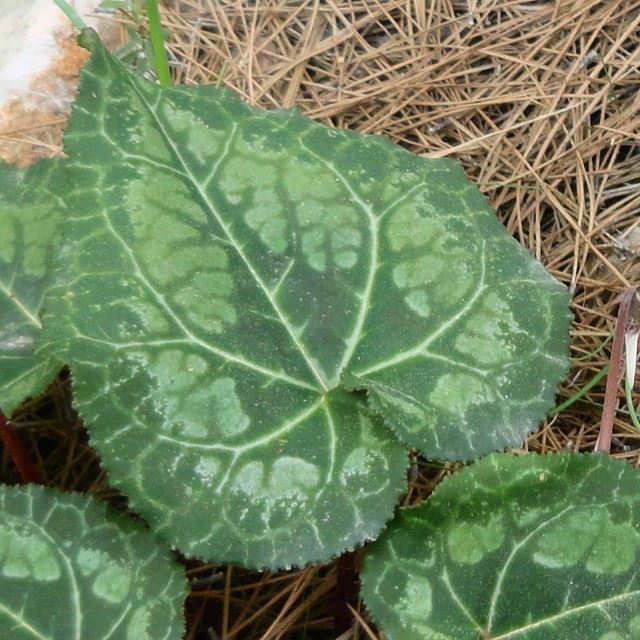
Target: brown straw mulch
x,y
539,101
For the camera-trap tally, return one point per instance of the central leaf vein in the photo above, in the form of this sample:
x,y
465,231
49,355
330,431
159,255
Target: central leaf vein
x,y
365,300
206,200
497,590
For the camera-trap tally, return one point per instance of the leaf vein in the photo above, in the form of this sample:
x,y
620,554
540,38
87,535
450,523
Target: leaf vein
x,y
313,366
421,349
24,310
365,300
190,339
598,604
22,623
516,547
265,439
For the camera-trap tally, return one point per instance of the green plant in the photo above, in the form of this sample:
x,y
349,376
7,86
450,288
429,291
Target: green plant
x,y
514,548
260,314
143,47
103,573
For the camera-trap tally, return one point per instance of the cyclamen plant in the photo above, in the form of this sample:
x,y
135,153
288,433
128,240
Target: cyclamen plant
x,y
261,315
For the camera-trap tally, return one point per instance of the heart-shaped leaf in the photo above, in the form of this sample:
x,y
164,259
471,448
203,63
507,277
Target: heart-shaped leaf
x,y
526,548
30,219
226,269
72,569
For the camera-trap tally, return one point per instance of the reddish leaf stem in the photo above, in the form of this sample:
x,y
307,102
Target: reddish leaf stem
x,y
615,372
17,452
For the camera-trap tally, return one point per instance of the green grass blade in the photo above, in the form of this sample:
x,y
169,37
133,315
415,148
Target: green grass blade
x,y
576,396
630,407
157,42
70,12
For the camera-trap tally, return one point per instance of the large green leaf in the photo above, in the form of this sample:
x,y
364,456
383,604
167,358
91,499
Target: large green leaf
x,y
71,569
225,269
528,548
30,217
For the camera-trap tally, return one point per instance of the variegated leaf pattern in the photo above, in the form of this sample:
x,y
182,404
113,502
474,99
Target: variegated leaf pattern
x,y
72,569
235,282
30,219
527,548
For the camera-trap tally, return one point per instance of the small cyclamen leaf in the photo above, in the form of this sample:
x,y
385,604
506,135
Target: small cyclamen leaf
x,y
72,569
526,548
226,270
30,218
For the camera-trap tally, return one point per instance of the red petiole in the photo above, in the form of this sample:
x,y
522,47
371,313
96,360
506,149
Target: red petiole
x,y
18,454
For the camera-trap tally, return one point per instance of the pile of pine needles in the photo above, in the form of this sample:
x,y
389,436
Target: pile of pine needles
x,y
540,102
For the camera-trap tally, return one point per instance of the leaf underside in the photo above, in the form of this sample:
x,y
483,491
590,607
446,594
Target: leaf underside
x,y
30,218
71,569
526,548
231,279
